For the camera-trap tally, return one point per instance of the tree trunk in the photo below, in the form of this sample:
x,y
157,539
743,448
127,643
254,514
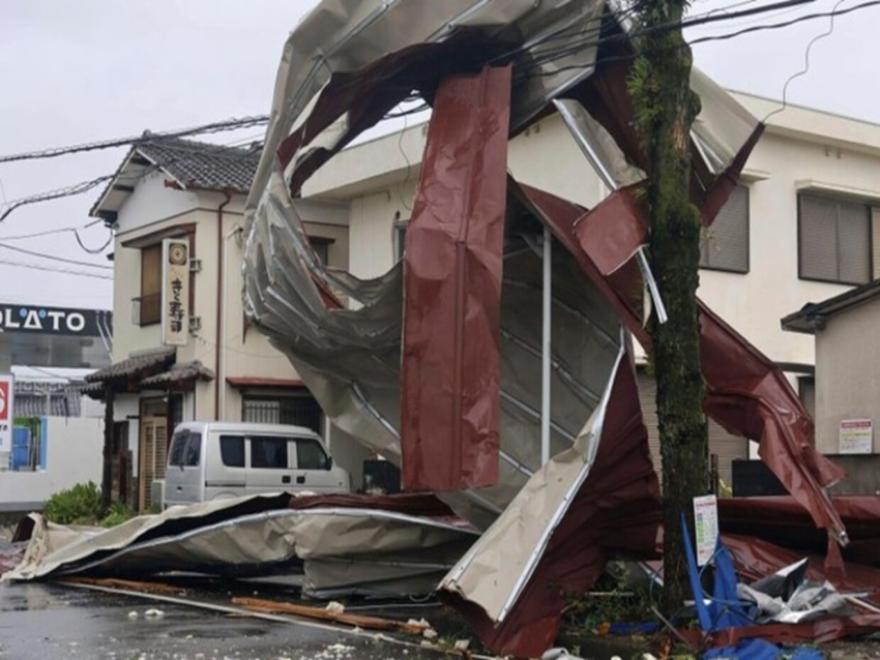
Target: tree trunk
x,y
665,108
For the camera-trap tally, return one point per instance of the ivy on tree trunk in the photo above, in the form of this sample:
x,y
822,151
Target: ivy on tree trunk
x,y
665,108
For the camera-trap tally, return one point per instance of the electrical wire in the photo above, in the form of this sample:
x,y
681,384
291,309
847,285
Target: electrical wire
x,y
49,269
800,19
53,257
693,42
85,186
99,250
49,232
213,127
806,68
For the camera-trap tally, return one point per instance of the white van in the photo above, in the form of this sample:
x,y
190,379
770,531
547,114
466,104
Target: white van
x,y
215,460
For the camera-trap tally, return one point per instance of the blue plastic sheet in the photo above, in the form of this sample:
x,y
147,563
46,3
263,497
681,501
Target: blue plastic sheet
x,y
724,609
758,649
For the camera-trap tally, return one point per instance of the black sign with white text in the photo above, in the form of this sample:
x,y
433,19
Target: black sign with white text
x,y
55,320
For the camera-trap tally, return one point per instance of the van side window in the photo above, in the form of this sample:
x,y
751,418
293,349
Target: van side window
x,y
310,455
268,452
178,442
232,450
193,450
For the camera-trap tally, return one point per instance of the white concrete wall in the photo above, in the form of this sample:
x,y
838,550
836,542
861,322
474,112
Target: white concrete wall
x,y
73,455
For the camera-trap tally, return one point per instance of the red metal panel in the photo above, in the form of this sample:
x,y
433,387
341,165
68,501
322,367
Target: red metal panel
x,y
747,394
615,512
452,289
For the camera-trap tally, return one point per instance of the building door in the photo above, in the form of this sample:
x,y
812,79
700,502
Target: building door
x,y
153,457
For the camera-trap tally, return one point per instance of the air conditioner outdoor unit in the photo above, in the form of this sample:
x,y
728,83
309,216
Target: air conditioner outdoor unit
x,y
157,495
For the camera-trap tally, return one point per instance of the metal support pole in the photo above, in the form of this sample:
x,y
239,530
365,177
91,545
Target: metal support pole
x,y
545,348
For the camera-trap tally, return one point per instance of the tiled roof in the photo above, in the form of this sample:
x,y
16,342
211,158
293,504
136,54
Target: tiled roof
x,y
158,360
203,165
193,165
194,370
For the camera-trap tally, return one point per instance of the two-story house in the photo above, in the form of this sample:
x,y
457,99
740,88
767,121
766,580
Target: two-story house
x,y
801,225
218,368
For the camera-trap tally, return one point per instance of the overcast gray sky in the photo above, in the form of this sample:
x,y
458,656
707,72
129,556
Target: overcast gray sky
x,y
76,72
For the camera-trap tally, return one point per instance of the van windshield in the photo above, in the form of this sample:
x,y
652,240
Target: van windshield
x,y
186,449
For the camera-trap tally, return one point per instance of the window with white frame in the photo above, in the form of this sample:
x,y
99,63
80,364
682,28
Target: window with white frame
x,y
834,239
724,245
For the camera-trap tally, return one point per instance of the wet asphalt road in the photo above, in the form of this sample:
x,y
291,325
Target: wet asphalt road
x,y
44,621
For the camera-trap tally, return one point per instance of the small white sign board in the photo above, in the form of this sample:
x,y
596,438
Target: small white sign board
x,y
175,291
856,436
706,527
7,392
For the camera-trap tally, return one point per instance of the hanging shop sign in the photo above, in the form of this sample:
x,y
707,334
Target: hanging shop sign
x,y
175,291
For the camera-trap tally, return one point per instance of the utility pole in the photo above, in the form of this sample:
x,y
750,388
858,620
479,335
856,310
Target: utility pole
x,y
665,108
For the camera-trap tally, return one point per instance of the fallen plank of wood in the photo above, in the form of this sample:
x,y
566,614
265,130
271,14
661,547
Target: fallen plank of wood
x,y
133,585
358,620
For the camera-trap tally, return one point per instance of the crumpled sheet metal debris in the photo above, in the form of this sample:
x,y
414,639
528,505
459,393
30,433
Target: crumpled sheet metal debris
x,y
452,289
598,498
747,393
783,521
350,358
344,550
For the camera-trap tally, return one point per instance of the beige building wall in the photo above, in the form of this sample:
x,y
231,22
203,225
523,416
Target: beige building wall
x,y
847,373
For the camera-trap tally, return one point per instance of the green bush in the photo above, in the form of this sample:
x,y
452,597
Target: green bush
x,y
78,505
117,515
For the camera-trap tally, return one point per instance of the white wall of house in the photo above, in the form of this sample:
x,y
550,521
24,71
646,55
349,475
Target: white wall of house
x,y
245,352
73,456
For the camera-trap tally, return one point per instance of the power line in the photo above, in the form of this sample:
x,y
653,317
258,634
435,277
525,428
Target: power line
x,y
85,186
48,232
806,68
49,269
43,255
720,37
214,127
93,250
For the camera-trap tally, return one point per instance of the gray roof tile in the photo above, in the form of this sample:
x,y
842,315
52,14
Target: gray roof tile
x,y
203,165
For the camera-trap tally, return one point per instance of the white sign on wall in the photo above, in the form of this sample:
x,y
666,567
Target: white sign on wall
x,y
856,436
175,291
7,393
706,527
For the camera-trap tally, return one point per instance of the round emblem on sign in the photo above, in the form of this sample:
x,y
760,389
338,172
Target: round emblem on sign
x,y
177,254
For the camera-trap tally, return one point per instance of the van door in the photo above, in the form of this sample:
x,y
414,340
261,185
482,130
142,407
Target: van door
x,y
226,470
270,468
184,478
314,469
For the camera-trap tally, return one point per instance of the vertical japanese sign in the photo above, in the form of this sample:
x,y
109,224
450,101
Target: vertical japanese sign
x,y
706,527
175,291
7,392
856,436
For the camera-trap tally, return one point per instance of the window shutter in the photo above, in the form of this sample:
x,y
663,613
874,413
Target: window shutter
x,y
818,238
853,247
725,245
